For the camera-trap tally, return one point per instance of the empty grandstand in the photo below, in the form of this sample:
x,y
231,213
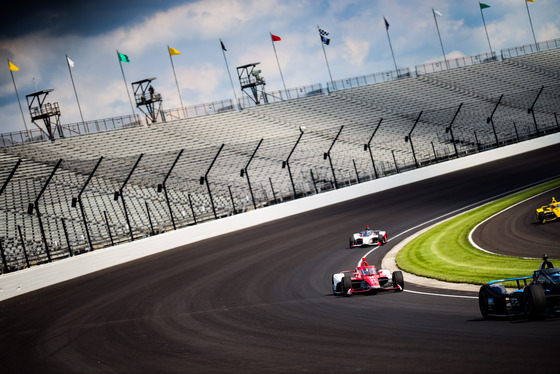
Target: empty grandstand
x,y
110,181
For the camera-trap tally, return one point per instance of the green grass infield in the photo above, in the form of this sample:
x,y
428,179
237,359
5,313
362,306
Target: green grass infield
x,y
445,253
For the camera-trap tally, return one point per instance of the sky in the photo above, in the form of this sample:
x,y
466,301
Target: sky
x,y
36,36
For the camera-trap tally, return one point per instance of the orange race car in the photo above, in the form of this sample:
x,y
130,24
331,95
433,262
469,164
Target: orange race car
x,y
548,212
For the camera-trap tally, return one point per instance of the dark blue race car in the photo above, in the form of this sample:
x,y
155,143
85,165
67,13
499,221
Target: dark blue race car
x,y
535,299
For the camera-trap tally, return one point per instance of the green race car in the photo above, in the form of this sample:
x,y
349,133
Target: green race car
x,y
548,212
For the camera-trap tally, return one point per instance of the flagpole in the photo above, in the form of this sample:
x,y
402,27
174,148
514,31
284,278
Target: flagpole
x,y
390,45
485,29
17,96
440,42
126,86
327,61
176,82
325,53
281,76
75,93
531,22
231,80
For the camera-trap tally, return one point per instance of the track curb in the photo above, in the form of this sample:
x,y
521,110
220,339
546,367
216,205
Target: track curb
x,y
389,262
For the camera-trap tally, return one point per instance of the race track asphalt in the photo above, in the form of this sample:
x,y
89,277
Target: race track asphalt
x,y
516,231
259,300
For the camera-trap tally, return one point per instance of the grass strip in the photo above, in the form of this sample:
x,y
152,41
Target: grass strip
x,y
445,253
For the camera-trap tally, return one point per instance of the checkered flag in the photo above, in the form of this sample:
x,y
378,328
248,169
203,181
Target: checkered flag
x,y
323,35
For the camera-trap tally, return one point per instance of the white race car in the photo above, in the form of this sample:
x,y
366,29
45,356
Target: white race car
x,y
367,237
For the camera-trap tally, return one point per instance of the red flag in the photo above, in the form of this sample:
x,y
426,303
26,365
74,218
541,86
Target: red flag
x,y
275,38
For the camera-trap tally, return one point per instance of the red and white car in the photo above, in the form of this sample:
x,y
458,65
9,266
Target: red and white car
x,y
367,237
366,279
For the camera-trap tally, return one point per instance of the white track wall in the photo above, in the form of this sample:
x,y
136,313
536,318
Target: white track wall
x,y
27,280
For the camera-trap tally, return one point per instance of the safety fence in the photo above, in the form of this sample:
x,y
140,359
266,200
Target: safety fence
x,y
56,204
108,124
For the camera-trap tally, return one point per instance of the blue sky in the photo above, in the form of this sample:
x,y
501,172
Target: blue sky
x,y
36,36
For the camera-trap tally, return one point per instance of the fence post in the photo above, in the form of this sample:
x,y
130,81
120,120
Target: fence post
x,y
287,162
66,236
36,206
328,155
476,142
448,129
356,171
205,179
162,186
19,162
149,219
120,193
78,200
232,200
272,188
108,227
409,138
313,180
491,120
395,161
4,262
23,245
516,132
2,191
192,208
244,171
531,110
368,147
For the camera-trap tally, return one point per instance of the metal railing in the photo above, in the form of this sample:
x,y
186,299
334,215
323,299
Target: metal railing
x,y
364,80
107,124
66,236
432,67
288,94
530,48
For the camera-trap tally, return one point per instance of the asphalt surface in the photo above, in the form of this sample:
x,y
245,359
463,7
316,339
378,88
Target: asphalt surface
x,y
260,300
517,232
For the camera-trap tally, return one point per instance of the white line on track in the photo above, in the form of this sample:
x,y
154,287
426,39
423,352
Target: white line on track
x,y
463,209
441,294
471,240
424,293
420,225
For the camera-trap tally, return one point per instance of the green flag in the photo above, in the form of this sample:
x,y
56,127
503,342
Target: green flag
x,y
484,6
123,57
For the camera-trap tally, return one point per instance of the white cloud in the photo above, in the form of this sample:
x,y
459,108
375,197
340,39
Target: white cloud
x,y
355,51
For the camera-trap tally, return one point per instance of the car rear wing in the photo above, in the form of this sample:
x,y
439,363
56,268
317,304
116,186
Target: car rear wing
x,y
518,280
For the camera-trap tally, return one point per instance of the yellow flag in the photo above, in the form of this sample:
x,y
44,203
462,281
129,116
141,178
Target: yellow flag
x,y
173,51
12,66
530,1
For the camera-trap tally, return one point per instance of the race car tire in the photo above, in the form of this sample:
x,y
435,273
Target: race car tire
x,y
534,301
398,280
542,218
351,242
338,286
346,286
483,300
